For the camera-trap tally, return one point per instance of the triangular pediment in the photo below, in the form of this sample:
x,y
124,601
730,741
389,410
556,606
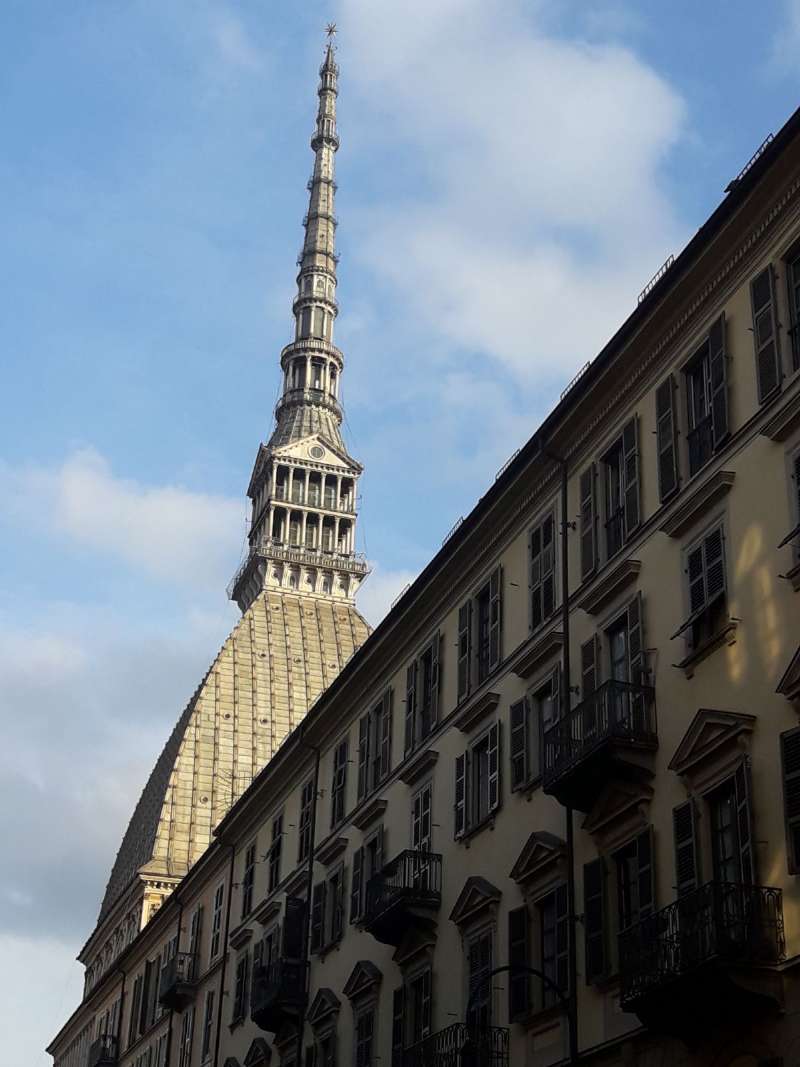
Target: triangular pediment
x,y
259,1054
418,939
709,731
323,1006
541,854
364,978
476,896
789,685
308,449
617,801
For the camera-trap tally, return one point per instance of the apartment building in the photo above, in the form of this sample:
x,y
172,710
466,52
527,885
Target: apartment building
x,y
549,811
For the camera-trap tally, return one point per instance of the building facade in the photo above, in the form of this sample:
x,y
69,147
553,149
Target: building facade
x,y
549,811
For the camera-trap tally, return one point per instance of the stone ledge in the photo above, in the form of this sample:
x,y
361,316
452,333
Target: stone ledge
x,y
476,711
610,585
369,813
697,503
780,426
726,636
537,651
419,766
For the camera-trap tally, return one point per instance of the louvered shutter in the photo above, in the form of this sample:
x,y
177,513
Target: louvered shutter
x,y
380,839
398,1026
685,840
385,734
548,567
636,662
744,819
293,928
645,872
714,565
411,706
426,1005
666,437
317,916
495,616
588,522
594,919
793,276
356,894
363,755
630,465
542,572
145,996
555,692
435,650
460,795
562,938
464,647
697,580
588,667
765,334
495,790
535,570
518,744
718,366
337,907
136,1003
518,957
790,764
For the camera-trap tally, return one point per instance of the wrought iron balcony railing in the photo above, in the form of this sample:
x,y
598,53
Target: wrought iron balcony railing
x,y
459,1045
278,993
177,978
614,712
719,923
411,880
103,1052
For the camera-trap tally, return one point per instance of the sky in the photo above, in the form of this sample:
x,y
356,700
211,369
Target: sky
x,y
512,173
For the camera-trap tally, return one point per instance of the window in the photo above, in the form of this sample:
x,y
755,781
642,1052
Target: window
x,y
185,1046
304,828
793,279
216,921
477,785
421,819
327,911
706,589
422,695
136,1006
479,634
412,1014
323,1051
530,718
367,862
634,877
195,934
790,765
765,334
208,1026
588,521
554,942
621,488
241,988
479,986
707,397
375,745
794,494
274,861
731,831
339,782
542,577
364,1035
666,439
248,879
161,1051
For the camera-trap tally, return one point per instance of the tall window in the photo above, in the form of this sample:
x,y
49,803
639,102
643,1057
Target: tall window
x,y
479,634
187,1030
765,333
364,1036
707,397
195,936
208,1025
477,784
375,745
633,868
530,718
304,827
790,765
479,986
241,987
706,588
274,875
621,488
327,911
421,819
542,571
422,695
339,782
731,832
216,921
554,942
793,279
418,1007
248,880
367,862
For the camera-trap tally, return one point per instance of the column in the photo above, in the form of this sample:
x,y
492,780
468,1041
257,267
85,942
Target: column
x,y
290,486
338,492
336,534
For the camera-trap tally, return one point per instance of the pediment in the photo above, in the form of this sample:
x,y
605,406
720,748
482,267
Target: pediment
x,y
332,456
541,855
324,1005
709,731
259,1054
619,805
231,1062
789,685
418,939
476,896
364,978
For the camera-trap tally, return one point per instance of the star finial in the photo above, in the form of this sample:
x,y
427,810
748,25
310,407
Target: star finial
x,y
330,30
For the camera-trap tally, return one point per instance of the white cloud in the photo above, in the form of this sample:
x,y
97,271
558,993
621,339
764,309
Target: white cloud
x,y
167,532
235,45
379,591
786,44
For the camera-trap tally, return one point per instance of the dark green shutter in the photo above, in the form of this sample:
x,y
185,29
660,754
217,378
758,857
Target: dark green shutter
x,y
518,744
562,938
588,522
317,916
363,755
434,710
293,928
666,436
495,780
630,466
460,795
356,894
518,957
588,667
464,648
495,616
398,1026
411,706
765,334
718,366
685,839
744,818
384,735
594,919
790,765
645,872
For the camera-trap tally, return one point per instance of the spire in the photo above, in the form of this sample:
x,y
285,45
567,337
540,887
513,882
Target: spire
x,y
303,487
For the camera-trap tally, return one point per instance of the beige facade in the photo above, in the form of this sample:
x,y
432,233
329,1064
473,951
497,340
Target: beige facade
x,y
419,816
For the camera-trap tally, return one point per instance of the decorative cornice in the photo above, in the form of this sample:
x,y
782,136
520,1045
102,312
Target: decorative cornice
x,y
692,507
331,850
369,813
536,652
241,935
476,896
476,711
266,912
709,731
364,978
611,583
419,766
785,420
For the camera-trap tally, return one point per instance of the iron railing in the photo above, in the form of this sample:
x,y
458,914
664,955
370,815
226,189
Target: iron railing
x,y
723,922
103,1052
701,444
277,986
615,711
177,971
306,395
411,877
351,562
459,1045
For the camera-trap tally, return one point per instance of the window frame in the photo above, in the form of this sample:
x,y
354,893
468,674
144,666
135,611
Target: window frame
x,y
700,627
473,668
466,816
275,852
341,757
543,565
304,827
527,725
248,880
216,921
792,267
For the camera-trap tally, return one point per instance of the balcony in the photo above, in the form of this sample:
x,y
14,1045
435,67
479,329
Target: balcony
x,y
704,958
176,988
403,894
460,1046
605,736
103,1051
278,994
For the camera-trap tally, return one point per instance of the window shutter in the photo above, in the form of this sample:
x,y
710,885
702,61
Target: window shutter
x,y
426,1005
379,848
765,333
145,996
646,876
666,437
714,565
744,818
461,794
588,667
363,755
411,705
293,928
588,518
317,916
136,1001
562,938
385,734
697,581
542,571
636,652
311,1056
435,648
790,764
548,567
398,1027
356,894
796,476
337,909
555,691
464,647
518,956
594,919
258,954
685,838
495,791
630,462
495,616
518,744
719,380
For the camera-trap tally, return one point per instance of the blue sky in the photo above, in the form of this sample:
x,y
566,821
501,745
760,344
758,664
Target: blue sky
x,y
511,174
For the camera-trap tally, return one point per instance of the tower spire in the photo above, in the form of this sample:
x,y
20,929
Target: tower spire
x,y
303,486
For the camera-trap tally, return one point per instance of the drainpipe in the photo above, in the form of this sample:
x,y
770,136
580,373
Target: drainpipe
x,y
158,979
301,1022
225,950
